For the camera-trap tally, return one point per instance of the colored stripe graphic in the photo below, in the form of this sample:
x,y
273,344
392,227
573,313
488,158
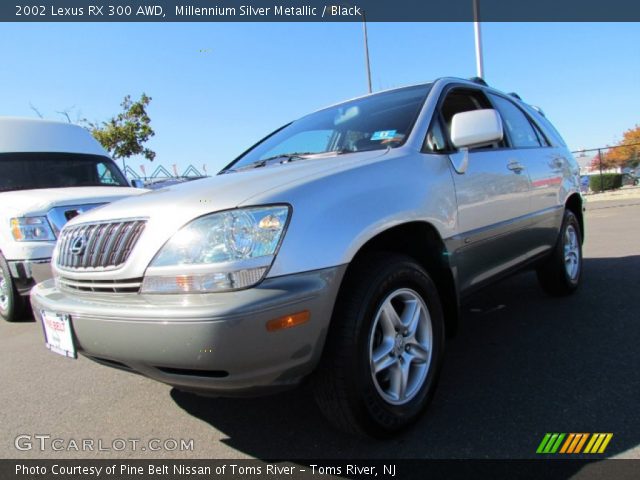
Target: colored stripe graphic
x,y
556,445
550,443
567,443
573,443
604,445
581,442
594,437
543,443
598,443
576,440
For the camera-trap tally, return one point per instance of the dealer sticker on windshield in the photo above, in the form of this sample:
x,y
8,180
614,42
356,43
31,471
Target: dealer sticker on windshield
x,y
57,333
383,134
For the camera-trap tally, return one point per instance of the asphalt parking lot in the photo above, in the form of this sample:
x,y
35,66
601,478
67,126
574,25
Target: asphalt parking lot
x,y
522,365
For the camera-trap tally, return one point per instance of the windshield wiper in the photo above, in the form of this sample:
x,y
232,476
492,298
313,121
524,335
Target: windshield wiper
x,y
286,158
264,162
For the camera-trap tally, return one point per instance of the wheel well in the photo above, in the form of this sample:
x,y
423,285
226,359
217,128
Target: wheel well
x,y
574,203
422,242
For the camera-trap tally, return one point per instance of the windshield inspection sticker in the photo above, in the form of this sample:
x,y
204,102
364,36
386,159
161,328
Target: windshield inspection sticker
x,y
383,134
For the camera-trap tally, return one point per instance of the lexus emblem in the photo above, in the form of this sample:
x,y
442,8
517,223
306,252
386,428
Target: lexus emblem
x,y
78,245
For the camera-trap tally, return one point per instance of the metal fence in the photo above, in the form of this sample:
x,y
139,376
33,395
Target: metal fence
x,y
616,159
161,173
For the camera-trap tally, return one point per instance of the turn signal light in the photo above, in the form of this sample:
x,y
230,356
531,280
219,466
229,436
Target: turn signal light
x,y
288,321
15,229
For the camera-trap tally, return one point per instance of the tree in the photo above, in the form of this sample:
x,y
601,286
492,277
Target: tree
x,y
607,163
628,151
124,135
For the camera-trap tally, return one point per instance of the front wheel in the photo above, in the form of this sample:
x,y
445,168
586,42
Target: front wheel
x,y
11,303
560,274
384,350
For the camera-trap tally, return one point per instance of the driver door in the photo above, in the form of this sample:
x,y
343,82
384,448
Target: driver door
x,y
492,198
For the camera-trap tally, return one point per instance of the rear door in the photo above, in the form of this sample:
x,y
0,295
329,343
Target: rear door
x,y
544,166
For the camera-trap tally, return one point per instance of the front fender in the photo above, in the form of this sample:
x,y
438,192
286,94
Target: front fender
x,y
334,216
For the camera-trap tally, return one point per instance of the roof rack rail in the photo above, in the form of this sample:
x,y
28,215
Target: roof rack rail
x,y
515,95
539,110
479,81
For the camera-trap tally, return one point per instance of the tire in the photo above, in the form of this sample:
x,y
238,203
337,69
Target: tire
x,y
560,274
365,335
11,303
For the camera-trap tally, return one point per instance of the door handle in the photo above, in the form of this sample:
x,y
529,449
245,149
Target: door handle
x,y
514,166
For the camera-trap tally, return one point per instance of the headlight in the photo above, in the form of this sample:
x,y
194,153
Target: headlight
x,y
31,229
222,251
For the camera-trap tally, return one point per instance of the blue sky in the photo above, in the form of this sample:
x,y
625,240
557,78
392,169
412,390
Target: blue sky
x,y
219,87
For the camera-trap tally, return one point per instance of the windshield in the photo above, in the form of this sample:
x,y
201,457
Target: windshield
x,y
374,122
26,171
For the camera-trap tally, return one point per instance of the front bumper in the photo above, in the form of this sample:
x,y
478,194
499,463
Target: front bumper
x,y
26,273
215,344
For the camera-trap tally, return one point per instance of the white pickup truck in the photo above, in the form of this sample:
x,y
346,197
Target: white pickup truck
x,y
50,172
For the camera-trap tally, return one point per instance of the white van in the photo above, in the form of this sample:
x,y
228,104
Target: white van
x,y
50,172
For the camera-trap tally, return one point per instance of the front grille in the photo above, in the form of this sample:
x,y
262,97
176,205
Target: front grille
x,y
98,245
131,285
59,216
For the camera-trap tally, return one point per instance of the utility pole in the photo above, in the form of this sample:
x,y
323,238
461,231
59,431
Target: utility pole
x,y
601,176
366,51
478,35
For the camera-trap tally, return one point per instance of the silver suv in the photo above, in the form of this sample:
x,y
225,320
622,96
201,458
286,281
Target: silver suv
x,y
337,248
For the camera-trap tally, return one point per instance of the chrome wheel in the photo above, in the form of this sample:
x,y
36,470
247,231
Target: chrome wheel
x,y
4,291
400,346
571,252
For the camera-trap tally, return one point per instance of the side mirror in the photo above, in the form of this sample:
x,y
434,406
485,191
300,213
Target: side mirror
x,y
137,183
476,128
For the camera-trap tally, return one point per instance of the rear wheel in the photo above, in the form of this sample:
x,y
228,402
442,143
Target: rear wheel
x,y
11,303
561,272
384,350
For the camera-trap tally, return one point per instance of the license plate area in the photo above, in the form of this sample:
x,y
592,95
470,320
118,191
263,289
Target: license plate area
x,y
58,333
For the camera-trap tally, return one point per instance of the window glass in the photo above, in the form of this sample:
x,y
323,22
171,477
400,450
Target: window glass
x,y
106,174
459,101
541,138
462,100
26,171
516,123
310,141
374,122
553,137
436,140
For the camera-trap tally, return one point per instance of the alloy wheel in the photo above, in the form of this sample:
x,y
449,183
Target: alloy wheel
x,y
571,252
400,346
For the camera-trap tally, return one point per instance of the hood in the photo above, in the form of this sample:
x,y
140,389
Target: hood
x,y
178,204
39,202
167,210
